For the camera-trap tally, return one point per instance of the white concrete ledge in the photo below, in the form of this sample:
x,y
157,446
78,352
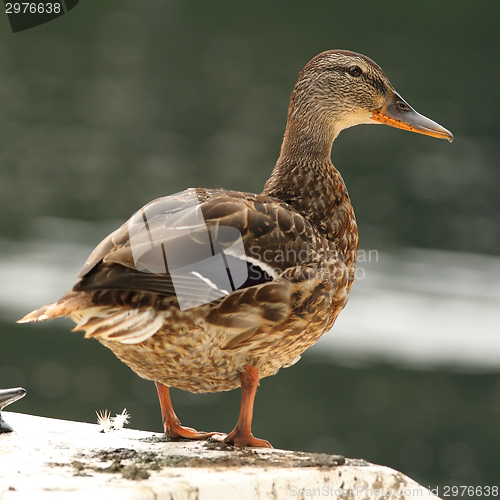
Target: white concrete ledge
x,y
56,459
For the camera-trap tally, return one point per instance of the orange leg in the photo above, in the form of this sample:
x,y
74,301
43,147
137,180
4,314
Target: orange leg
x,y
171,424
241,435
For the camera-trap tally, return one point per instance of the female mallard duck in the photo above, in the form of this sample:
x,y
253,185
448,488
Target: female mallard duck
x,y
144,293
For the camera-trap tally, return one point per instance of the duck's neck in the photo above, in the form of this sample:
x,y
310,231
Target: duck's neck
x,y
305,178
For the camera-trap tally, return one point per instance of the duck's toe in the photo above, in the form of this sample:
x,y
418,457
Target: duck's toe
x,y
243,439
182,432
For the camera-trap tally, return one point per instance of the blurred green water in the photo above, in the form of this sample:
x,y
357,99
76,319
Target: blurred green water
x,y
119,102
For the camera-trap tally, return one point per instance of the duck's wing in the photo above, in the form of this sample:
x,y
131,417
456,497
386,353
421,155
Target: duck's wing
x,y
247,260
201,245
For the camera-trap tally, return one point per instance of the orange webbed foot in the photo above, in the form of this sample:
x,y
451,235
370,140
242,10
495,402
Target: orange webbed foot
x,y
241,439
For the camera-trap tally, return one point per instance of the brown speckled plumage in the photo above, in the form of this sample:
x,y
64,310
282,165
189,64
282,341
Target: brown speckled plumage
x,y
300,233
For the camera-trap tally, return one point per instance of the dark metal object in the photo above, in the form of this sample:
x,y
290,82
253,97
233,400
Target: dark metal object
x,y
8,396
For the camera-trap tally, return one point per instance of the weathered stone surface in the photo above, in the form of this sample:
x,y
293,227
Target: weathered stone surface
x,y
55,459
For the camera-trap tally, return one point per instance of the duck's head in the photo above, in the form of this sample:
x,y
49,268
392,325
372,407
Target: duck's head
x,y
338,89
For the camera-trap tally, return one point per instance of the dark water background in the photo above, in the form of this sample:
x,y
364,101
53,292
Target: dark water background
x,y
119,102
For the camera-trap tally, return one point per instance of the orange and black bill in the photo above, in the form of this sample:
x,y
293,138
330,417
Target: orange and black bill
x,y
396,112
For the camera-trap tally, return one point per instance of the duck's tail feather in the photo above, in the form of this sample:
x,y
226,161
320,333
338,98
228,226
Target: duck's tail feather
x,y
127,326
41,314
66,306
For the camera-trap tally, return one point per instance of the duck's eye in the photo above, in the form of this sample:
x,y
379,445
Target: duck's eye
x,y
355,71
402,106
